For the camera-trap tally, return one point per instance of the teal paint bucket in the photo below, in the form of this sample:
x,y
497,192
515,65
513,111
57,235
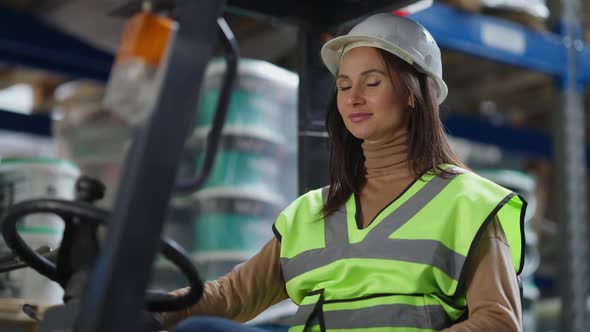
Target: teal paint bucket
x,y
245,159
258,77
264,96
233,224
259,140
245,109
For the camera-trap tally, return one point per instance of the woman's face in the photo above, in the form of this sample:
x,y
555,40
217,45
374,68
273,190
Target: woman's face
x,y
368,102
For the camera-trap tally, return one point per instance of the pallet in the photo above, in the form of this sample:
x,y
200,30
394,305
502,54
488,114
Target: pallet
x,y
530,21
12,317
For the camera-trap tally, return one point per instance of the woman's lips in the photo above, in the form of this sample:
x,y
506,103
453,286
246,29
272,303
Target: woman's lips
x,y
358,117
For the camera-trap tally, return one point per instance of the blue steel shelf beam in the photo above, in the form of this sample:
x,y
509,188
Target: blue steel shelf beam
x,y
533,143
502,41
36,124
27,40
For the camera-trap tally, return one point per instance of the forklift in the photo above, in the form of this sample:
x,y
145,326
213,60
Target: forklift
x,y
105,283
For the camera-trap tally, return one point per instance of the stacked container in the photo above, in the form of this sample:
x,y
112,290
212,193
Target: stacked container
x,y
23,179
255,171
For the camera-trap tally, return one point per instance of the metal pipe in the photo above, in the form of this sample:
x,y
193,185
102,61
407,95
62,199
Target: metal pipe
x,y
571,181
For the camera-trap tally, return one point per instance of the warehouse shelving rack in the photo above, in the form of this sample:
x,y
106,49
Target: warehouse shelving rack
x,y
565,57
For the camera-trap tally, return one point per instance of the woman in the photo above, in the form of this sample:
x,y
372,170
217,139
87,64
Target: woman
x,y
403,239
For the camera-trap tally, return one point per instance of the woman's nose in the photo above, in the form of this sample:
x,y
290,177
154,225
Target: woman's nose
x,y
355,96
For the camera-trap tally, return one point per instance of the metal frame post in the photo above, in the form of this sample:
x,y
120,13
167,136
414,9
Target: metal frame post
x,y
570,175
116,294
314,88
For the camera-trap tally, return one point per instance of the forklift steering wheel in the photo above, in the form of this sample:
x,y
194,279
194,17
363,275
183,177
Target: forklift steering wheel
x,y
86,212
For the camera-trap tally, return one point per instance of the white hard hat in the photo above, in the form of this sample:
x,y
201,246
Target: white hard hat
x,y
398,35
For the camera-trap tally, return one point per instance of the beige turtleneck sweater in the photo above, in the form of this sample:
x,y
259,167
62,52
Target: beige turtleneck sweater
x,y
492,292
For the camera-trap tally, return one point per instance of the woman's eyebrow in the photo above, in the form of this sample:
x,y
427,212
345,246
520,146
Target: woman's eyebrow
x,y
364,73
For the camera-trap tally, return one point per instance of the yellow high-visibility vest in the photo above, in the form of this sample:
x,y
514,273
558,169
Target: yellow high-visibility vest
x,y
403,272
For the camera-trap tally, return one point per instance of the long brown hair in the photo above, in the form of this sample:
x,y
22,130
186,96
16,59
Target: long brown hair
x,y
428,146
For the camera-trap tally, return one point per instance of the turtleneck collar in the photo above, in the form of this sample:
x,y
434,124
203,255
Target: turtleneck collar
x,y
387,159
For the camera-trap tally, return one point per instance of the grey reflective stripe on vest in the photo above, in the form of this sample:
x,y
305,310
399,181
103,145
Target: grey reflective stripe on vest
x,y
431,317
336,231
377,243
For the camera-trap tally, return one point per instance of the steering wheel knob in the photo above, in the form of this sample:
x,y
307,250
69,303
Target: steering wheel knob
x,y
89,189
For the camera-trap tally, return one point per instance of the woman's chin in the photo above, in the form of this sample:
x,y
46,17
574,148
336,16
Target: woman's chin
x,y
364,136
361,134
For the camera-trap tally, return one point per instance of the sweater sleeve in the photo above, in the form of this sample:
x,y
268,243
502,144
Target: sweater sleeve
x,y
242,294
493,298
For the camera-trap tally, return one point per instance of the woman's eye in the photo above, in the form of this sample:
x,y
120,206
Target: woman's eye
x,y
374,84
342,88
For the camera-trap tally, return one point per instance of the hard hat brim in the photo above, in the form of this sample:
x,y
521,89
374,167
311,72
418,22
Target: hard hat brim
x,y
332,52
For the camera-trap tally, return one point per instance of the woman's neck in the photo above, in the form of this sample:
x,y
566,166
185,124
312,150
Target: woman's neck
x,y
387,159
387,175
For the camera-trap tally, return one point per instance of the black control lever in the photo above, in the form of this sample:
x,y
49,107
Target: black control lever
x,y
232,55
11,262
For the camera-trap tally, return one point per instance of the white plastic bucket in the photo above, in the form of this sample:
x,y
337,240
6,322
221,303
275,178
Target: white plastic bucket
x,y
28,178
